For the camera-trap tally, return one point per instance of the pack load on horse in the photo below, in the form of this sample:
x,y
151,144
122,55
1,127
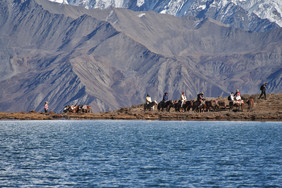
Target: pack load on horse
x,y
237,102
77,109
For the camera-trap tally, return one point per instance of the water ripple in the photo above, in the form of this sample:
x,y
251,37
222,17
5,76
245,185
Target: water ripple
x,y
140,154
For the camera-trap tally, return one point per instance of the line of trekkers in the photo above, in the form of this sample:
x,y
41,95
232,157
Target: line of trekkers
x,y
77,108
198,105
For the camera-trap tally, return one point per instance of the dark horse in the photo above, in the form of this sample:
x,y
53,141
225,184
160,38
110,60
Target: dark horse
x,y
177,106
188,105
165,105
199,106
150,106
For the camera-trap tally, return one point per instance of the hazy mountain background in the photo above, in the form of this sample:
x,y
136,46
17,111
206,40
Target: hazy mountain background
x,y
111,58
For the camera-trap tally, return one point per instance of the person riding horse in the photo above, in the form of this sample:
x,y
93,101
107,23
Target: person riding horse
x,y
165,103
237,95
165,98
149,105
200,97
183,98
148,99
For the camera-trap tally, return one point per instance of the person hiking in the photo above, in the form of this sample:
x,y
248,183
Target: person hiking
x,y
263,91
46,107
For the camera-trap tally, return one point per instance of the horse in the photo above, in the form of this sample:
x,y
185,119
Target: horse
x,y
199,106
188,105
212,105
165,105
86,109
150,106
239,104
177,106
250,103
77,108
221,105
72,108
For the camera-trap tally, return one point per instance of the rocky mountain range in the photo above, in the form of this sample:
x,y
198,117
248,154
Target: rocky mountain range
x,y
251,15
113,57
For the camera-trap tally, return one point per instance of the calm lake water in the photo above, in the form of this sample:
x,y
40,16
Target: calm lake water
x,y
140,154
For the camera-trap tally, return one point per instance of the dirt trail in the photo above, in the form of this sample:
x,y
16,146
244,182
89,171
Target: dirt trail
x,y
264,110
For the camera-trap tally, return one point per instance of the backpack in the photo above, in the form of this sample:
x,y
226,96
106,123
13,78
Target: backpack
x,y
261,87
229,98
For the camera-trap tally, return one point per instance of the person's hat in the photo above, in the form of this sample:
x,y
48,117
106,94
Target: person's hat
x,y
165,92
148,95
183,92
202,92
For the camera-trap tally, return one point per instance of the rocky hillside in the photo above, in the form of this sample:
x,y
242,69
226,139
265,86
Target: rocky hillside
x,y
112,58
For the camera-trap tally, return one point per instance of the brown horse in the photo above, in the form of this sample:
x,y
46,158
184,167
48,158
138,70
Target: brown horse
x,y
199,106
86,108
250,103
212,105
72,108
221,105
188,105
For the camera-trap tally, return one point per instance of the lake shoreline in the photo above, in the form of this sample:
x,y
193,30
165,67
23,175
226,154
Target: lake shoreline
x,y
154,116
262,110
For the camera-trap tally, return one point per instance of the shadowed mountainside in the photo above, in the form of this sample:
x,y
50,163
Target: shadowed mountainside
x,y
112,58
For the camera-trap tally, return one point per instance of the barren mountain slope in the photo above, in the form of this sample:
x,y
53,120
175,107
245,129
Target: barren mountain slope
x,y
112,58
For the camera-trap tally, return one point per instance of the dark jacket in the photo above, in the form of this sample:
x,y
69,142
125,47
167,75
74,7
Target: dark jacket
x,y
165,98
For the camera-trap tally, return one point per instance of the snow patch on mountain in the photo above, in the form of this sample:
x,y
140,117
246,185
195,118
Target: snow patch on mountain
x,y
60,1
265,9
140,3
141,15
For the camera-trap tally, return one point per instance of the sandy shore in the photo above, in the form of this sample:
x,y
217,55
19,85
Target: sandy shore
x,y
264,110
